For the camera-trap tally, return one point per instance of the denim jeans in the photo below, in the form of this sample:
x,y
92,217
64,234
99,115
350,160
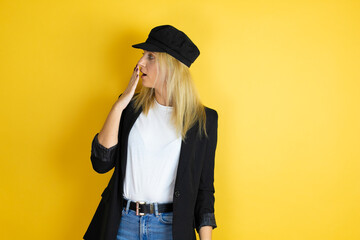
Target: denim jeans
x,y
156,226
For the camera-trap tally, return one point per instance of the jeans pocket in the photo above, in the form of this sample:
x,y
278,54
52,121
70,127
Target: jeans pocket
x,y
123,212
166,218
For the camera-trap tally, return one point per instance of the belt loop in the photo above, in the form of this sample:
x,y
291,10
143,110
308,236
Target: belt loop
x,y
156,209
127,206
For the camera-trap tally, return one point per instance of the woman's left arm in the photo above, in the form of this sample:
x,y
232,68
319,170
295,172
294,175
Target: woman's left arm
x,y
204,206
205,232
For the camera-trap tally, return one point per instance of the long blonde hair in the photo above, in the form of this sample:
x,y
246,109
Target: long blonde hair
x,y
180,92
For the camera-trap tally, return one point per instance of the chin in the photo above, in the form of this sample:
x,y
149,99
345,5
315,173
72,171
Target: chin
x,y
145,84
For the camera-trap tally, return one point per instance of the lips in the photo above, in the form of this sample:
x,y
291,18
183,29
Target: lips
x,y
143,74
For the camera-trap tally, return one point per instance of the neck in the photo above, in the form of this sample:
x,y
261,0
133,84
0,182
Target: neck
x,y
161,99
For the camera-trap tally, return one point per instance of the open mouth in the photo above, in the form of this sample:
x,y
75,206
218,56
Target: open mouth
x,y
143,75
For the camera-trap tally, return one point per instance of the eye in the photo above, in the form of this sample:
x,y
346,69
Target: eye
x,y
151,56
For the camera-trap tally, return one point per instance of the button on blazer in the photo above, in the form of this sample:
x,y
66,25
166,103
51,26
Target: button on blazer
x,y
193,199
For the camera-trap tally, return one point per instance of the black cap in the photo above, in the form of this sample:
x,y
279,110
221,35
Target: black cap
x,y
168,39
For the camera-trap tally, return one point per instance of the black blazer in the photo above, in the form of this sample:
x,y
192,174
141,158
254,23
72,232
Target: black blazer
x,y
193,201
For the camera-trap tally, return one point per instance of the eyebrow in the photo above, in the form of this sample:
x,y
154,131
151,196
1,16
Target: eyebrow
x,y
150,52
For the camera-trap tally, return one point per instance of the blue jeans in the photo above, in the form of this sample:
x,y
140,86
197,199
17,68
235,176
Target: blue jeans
x,y
156,226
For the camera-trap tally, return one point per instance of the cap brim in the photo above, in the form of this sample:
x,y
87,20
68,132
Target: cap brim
x,y
148,47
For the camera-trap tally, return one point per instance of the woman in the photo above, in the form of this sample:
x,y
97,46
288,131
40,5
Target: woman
x,y
162,143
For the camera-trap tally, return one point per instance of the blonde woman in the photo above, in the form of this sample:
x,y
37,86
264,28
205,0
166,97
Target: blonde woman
x,y
161,142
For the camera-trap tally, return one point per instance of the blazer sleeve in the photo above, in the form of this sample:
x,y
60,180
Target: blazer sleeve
x,y
102,158
204,206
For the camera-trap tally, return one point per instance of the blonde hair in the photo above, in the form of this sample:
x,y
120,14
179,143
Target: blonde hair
x,y
180,92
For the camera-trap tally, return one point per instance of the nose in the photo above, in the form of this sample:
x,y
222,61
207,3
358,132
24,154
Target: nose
x,y
141,62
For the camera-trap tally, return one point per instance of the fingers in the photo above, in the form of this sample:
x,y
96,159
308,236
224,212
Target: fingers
x,y
137,70
135,80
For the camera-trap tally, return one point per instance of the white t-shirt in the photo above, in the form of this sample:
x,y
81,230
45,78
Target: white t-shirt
x,y
152,157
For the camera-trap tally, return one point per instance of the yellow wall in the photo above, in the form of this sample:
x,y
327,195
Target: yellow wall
x,y
283,76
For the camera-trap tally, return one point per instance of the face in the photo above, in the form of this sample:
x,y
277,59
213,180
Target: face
x,y
148,64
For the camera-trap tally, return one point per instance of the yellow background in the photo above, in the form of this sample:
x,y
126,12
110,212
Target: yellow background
x,y
283,76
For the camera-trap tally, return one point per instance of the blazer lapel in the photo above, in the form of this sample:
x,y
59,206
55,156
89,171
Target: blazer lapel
x,y
185,154
129,119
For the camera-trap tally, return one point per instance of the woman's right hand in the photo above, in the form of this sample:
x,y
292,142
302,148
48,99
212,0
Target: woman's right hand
x,y
127,95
